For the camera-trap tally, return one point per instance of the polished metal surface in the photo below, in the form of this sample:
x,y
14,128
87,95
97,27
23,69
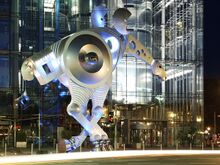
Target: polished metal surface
x,y
90,58
43,65
86,59
135,48
119,19
115,41
27,70
99,16
158,70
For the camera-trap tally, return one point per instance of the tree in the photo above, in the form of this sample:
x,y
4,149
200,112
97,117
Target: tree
x,y
187,133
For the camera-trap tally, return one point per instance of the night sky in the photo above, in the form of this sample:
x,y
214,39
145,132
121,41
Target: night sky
x,y
211,62
212,38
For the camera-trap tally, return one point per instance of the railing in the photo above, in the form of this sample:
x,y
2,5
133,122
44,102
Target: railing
x,y
31,149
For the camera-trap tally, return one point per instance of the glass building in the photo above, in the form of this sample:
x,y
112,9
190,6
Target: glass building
x,y
147,111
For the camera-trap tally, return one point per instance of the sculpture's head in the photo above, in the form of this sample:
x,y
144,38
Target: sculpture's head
x,y
119,20
158,70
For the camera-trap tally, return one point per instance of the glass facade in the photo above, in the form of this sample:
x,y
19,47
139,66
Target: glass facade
x,y
148,111
179,33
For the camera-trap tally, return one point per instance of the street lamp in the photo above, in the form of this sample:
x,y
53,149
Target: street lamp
x,y
206,135
172,121
199,119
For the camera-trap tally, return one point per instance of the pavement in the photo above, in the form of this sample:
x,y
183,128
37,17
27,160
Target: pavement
x,y
132,157
52,150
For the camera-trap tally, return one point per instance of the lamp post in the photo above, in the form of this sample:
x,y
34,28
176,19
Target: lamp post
x,y
214,123
115,120
215,117
39,132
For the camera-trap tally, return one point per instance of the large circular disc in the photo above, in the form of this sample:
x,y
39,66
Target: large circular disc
x,y
87,59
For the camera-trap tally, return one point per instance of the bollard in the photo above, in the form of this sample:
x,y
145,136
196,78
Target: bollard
x,y
3,143
5,149
161,146
124,147
54,143
212,146
56,147
190,146
80,148
202,146
177,147
143,145
32,148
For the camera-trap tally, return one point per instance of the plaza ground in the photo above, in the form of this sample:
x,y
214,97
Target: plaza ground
x,y
166,157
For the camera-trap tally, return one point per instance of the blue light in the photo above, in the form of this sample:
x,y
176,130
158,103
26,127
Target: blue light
x,y
55,80
26,98
59,86
46,88
22,102
63,93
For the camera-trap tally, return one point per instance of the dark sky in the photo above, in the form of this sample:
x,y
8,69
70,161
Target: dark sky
x,y
211,62
212,38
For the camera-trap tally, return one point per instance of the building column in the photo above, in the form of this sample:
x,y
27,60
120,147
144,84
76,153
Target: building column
x,y
163,53
14,57
57,19
41,25
194,72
